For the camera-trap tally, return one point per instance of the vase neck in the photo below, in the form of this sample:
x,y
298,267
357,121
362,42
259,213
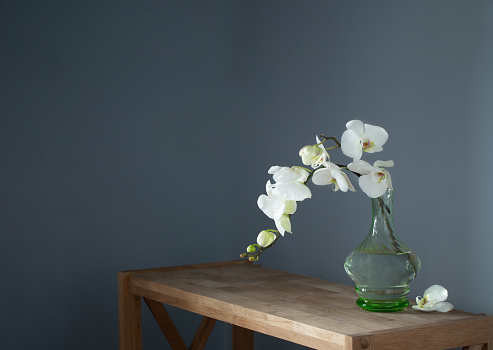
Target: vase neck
x,y
382,214
382,238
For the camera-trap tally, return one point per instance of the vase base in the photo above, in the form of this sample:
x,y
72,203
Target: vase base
x,y
383,305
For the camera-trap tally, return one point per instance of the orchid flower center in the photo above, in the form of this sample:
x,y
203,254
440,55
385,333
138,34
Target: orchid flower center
x,y
381,176
367,144
423,301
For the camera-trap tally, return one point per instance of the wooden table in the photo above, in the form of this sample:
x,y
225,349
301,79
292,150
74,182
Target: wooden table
x,y
303,310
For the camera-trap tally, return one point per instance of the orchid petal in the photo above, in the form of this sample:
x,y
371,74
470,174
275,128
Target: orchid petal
x,y
287,175
340,180
290,207
384,163
374,149
436,293
279,227
278,204
325,153
333,167
268,189
374,169
360,167
286,223
425,309
350,185
283,175
357,127
377,176
301,173
294,191
378,135
275,169
351,145
372,189
322,177
443,306
264,203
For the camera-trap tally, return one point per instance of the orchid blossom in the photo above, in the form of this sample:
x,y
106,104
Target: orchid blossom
x,y
332,174
374,180
277,207
314,155
290,182
361,137
433,300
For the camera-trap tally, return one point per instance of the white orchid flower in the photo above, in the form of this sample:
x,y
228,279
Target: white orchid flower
x,y
290,182
286,174
361,137
314,155
374,180
332,174
433,300
277,207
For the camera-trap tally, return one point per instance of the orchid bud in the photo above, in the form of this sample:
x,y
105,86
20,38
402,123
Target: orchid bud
x,y
265,238
251,249
310,154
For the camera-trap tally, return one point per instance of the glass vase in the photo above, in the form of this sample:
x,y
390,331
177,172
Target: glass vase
x,y
382,267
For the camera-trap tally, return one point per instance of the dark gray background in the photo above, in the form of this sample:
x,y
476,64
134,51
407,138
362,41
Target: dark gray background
x,y
138,134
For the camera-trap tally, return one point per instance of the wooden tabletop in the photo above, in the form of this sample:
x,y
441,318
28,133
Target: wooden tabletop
x,y
304,310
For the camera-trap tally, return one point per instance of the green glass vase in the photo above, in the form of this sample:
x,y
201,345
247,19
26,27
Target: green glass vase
x,y
382,267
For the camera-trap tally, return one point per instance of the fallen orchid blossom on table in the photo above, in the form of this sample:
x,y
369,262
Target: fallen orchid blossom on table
x,y
433,300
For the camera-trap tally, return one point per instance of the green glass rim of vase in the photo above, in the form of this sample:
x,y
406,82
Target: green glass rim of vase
x,y
382,305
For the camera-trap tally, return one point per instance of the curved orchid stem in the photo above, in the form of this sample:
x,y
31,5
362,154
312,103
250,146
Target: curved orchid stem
x,y
331,138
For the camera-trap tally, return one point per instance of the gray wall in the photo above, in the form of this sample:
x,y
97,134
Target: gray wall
x,y
138,134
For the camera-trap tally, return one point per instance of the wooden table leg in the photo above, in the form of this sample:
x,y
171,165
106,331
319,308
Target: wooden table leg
x,y
129,316
242,338
489,346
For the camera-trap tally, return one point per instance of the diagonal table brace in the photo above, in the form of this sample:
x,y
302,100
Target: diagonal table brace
x,y
202,334
171,333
